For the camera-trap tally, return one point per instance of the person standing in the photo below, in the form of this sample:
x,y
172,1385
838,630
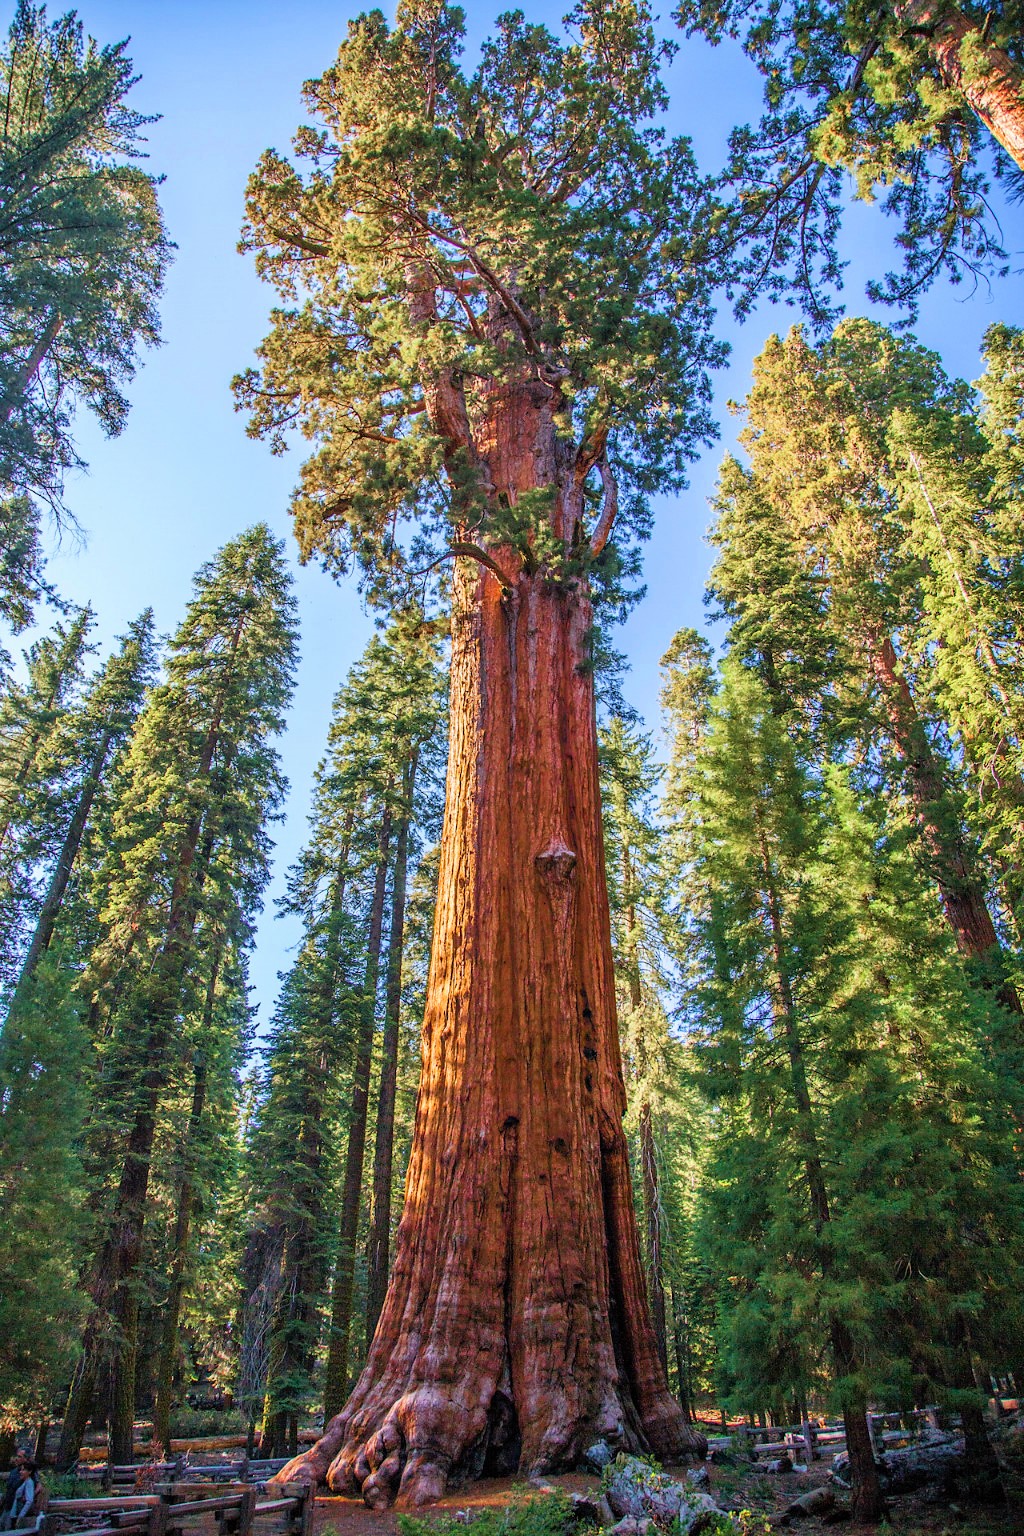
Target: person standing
x,y
24,1497
13,1480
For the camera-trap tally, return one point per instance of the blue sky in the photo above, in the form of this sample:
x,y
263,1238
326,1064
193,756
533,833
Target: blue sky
x,y
183,477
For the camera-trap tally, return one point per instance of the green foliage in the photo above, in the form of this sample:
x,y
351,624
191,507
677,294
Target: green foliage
x,y
384,762
42,1108
550,1515
195,1423
445,236
857,100
860,1165
35,771
83,245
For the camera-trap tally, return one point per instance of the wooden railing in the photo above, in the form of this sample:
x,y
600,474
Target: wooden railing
x,y
810,1440
178,1508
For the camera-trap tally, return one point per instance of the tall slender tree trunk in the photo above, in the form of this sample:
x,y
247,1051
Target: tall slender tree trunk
x,y
682,1363
182,1232
652,1217
336,1375
292,1336
112,1286
54,899
516,1327
288,1271
952,867
648,1151
379,1247
868,1503
991,84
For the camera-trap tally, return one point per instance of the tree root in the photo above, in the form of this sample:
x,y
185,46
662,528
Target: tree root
x,y
429,1436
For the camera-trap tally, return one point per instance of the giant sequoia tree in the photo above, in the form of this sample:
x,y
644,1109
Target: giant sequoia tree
x,y
497,324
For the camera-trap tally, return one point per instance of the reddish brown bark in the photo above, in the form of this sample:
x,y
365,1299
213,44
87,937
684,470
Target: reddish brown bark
x,y
961,889
516,1326
995,92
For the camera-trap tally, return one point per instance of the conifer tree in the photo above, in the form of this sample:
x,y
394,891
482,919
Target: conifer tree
x,y
201,1170
82,245
636,891
290,1239
43,1078
836,1032
98,729
32,715
848,444
906,101
363,826
189,846
497,323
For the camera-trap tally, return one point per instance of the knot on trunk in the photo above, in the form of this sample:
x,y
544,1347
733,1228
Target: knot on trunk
x,y
556,862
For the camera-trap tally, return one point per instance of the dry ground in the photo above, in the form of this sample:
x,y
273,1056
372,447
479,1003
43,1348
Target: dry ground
x,y
739,1485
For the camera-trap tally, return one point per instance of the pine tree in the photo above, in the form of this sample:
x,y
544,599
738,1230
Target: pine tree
x,y
32,768
836,1034
845,440
201,1169
82,245
367,805
638,903
43,1077
98,729
498,325
21,568
190,848
289,1243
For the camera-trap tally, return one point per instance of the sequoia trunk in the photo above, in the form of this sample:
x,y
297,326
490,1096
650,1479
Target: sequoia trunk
x,y
515,1329
991,83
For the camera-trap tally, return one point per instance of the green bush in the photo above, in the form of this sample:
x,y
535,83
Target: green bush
x,y
194,1423
544,1515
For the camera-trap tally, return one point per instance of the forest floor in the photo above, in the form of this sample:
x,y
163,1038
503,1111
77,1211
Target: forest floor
x,y
735,1486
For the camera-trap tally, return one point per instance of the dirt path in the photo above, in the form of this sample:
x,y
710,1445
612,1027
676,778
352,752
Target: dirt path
x,y
731,1485
350,1517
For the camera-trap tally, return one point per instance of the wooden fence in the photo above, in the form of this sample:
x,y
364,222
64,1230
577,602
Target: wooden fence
x,y
181,1509
125,1478
811,1440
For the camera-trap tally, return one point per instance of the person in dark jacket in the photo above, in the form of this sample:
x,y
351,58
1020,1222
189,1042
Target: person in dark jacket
x,y
24,1497
13,1480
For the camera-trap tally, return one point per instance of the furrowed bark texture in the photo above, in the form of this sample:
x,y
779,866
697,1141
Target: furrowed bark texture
x,y
515,1329
995,91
